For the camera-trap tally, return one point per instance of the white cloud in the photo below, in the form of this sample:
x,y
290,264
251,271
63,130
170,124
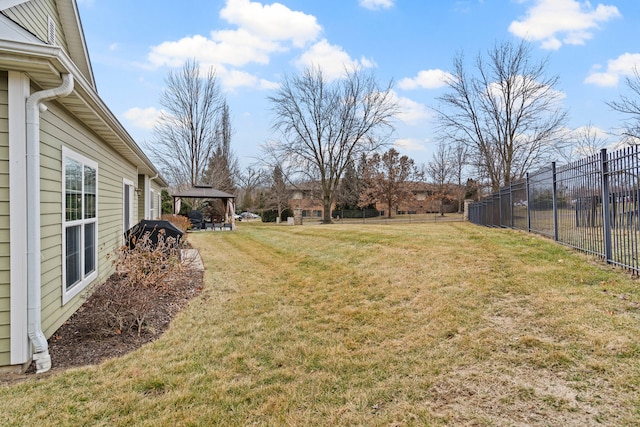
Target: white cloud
x,y
602,79
411,112
587,141
377,4
113,47
622,66
332,59
596,132
235,78
262,30
575,133
143,118
527,90
426,79
272,22
410,144
236,48
558,22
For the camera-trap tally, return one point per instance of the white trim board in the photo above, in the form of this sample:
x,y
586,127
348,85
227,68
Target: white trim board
x,y
18,93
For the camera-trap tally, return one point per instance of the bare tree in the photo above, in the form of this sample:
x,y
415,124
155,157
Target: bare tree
x,y
222,169
584,142
248,182
326,124
441,169
629,105
458,154
387,178
508,112
184,138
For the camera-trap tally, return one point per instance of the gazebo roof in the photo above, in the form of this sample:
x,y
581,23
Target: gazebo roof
x,y
203,192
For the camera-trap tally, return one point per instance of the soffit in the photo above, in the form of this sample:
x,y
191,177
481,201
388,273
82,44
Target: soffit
x,y
44,65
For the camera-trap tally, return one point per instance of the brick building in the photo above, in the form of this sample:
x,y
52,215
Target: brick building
x,y
306,197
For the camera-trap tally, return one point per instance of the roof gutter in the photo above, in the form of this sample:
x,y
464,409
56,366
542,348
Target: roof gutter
x,y
34,107
53,59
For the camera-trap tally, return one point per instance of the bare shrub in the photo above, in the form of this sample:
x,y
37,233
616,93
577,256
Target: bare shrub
x,y
147,263
140,280
117,306
180,221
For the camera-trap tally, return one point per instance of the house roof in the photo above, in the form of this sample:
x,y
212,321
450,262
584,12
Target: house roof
x,y
203,192
45,64
72,28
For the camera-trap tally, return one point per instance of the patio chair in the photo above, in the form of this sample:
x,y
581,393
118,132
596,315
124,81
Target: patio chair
x,y
196,219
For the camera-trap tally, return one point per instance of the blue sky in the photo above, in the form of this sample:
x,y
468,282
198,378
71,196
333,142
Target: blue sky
x,y
591,46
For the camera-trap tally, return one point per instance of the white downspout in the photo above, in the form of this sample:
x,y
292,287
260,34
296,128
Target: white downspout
x,y
34,107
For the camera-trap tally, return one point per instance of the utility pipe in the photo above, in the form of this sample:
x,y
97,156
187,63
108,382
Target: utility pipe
x,y
33,108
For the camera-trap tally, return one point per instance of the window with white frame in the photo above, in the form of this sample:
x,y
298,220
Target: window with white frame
x,y
127,204
152,204
80,223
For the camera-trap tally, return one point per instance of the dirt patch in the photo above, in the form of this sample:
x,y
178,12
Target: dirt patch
x,y
81,341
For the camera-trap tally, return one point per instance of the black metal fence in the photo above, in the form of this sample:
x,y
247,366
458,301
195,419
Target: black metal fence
x,y
591,205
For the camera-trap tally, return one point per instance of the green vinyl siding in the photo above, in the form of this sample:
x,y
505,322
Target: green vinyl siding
x,y
32,16
4,221
5,357
5,334
59,129
4,312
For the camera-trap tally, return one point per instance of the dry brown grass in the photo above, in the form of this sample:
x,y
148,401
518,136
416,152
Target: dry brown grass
x,y
419,324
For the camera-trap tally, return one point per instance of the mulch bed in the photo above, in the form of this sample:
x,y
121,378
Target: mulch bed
x,y
82,341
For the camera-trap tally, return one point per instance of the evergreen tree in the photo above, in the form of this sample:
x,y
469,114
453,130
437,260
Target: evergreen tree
x,y
222,168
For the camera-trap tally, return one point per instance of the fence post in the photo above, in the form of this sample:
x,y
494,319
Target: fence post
x,y
606,218
555,202
511,204
499,208
528,205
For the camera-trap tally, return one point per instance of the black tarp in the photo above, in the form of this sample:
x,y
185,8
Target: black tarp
x,y
153,227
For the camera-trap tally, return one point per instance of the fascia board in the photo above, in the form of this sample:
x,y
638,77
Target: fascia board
x,y
52,59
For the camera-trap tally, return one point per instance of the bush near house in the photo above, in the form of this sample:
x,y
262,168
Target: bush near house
x,y
271,215
356,213
180,221
125,301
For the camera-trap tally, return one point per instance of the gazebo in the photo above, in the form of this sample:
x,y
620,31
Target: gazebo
x,y
207,192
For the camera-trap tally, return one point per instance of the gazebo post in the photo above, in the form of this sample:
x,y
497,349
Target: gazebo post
x,y
176,204
231,213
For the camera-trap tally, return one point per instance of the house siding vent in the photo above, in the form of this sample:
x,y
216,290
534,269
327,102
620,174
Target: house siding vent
x,y
51,31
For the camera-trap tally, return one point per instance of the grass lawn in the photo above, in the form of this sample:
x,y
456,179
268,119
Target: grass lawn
x,y
372,325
